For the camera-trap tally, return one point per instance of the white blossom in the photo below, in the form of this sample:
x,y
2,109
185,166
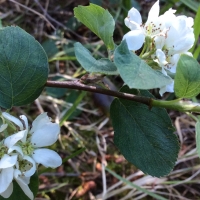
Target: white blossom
x,y
136,37
22,151
43,133
6,171
170,36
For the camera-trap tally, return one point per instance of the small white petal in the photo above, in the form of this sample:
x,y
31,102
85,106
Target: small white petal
x,y
47,157
46,135
40,121
134,39
6,194
154,12
3,127
13,119
159,42
131,24
134,15
174,60
8,161
189,54
190,21
15,148
6,177
23,185
167,88
13,139
32,170
161,57
24,118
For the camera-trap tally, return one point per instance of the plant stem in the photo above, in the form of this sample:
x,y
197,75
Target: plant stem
x,y
80,86
178,104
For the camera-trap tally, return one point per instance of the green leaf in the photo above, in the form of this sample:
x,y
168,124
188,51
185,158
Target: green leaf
x,y
50,48
196,28
90,64
196,52
191,4
187,78
135,72
23,67
144,136
197,127
99,21
18,192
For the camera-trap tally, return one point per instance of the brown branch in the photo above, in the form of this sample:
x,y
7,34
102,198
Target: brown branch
x,y
80,86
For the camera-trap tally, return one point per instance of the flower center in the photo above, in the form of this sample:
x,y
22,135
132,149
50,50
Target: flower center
x,y
27,148
3,151
24,165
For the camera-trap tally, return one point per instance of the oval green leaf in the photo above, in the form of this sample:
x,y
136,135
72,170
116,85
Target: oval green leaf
x,y
23,67
135,72
90,64
99,21
144,136
187,78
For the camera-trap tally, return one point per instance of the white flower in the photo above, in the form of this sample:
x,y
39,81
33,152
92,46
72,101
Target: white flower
x,y
6,171
22,182
178,40
136,37
13,119
43,133
7,163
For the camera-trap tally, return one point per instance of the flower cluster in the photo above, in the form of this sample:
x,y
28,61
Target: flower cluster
x,y
170,36
21,152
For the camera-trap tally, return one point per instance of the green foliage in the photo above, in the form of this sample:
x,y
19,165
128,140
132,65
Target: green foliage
x,y
135,72
187,78
19,194
99,21
50,48
71,98
90,64
144,136
23,67
196,30
191,4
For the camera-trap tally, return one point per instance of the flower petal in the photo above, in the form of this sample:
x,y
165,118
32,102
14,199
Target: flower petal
x,y
8,191
134,39
8,161
15,148
6,177
167,88
134,16
32,170
24,118
154,12
3,127
161,57
46,135
13,119
47,157
131,24
40,121
13,139
23,184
